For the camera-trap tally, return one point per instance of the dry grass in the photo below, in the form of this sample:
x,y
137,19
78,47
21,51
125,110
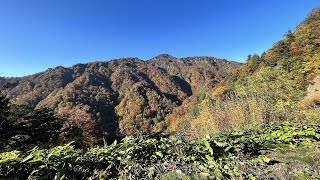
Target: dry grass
x,y
312,100
233,112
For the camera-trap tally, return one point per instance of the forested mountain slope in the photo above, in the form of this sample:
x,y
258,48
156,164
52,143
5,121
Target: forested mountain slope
x,y
128,95
279,84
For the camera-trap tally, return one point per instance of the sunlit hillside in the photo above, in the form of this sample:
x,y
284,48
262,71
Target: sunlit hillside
x,y
280,84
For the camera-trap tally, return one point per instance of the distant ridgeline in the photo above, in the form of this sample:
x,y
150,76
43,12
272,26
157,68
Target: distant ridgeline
x,y
125,96
282,83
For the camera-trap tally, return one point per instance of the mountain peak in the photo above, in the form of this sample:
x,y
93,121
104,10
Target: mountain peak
x,y
164,57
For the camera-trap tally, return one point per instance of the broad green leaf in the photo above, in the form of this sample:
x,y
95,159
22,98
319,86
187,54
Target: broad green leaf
x,y
158,153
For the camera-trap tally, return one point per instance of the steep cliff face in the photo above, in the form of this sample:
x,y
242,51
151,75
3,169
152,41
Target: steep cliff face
x,y
126,95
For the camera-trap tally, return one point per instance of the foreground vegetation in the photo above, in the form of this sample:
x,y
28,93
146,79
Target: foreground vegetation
x,y
276,150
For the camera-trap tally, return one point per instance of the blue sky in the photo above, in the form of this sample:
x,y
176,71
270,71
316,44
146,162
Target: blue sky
x,y
38,34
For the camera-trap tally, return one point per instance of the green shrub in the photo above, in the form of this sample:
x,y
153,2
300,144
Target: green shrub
x,y
234,154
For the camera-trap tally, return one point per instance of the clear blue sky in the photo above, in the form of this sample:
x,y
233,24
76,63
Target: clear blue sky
x,y
38,34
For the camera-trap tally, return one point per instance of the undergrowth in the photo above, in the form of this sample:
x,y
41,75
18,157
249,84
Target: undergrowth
x,y
245,154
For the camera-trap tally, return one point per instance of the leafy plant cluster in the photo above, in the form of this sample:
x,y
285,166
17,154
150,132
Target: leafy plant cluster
x,y
236,154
